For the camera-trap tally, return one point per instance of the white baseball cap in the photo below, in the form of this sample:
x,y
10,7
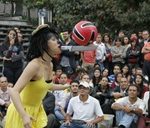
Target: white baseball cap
x,y
84,84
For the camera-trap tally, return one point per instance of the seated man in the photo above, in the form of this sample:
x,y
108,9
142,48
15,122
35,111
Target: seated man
x,y
4,95
128,108
121,91
61,98
73,92
84,109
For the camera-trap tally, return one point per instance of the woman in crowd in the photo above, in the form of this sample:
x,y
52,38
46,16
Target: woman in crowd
x,y
105,73
117,53
96,77
126,44
103,93
126,72
108,44
133,54
117,80
12,54
139,82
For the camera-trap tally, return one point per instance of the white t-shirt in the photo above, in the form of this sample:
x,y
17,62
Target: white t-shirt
x,y
86,111
138,104
100,51
60,97
145,99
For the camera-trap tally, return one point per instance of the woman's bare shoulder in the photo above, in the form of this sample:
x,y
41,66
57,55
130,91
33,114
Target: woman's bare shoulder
x,y
30,72
33,65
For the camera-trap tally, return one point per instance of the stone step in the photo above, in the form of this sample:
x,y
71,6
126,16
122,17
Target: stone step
x,y
10,23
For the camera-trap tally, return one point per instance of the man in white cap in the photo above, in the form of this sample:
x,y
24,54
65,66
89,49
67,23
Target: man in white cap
x,y
84,109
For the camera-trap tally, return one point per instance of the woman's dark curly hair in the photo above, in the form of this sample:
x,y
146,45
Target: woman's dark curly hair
x,y
39,42
141,85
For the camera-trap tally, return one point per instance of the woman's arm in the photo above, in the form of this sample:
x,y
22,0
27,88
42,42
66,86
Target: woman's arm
x,y
114,54
54,87
95,121
145,49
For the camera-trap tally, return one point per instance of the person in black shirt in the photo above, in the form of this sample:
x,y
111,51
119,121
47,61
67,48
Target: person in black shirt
x,y
12,54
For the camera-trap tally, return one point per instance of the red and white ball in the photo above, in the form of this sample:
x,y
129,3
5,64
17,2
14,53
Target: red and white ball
x,y
84,32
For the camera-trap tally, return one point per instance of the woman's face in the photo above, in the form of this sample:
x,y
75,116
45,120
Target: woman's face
x,y
133,71
54,47
63,79
97,73
133,43
138,79
12,34
105,73
126,40
118,43
125,69
119,76
106,38
59,72
104,81
98,38
86,78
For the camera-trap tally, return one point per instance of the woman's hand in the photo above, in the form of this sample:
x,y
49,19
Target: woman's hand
x,y
12,41
67,123
90,124
27,121
66,86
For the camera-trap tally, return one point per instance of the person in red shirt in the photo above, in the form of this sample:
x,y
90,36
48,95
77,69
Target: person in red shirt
x,y
57,75
146,52
88,60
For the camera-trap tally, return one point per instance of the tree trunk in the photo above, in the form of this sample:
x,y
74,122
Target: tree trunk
x,y
29,16
12,8
19,8
4,8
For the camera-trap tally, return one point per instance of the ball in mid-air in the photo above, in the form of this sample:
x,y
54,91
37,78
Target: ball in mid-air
x,y
84,32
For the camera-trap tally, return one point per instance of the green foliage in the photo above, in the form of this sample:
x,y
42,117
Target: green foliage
x,y
39,3
108,15
4,1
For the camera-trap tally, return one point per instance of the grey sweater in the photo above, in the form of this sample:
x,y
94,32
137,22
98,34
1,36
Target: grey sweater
x,y
117,54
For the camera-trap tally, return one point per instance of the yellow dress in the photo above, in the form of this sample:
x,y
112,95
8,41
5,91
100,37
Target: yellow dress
x,y
31,97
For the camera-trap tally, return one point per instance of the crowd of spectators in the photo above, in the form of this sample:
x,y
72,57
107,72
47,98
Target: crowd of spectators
x,y
113,79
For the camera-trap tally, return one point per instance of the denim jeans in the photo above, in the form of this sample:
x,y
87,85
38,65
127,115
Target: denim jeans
x,y
101,64
76,124
58,113
123,118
